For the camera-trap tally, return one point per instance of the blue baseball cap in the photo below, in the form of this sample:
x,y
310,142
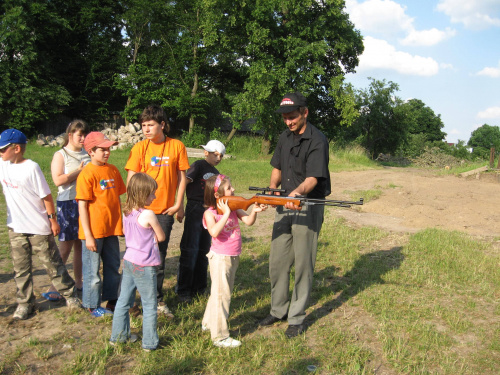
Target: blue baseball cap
x,y
10,136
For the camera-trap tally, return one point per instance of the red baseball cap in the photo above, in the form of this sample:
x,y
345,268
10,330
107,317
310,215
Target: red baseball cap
x,y
97,139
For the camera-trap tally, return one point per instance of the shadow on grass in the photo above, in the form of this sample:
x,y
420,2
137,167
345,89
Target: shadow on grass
x,y
367,271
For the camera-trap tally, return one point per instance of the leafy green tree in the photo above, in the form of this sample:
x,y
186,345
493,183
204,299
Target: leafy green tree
x,y
59,57
382,124
299,45
28,93
483,138
186,63
423,120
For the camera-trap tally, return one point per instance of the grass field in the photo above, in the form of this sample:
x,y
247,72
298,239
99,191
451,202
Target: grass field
x,y
382,303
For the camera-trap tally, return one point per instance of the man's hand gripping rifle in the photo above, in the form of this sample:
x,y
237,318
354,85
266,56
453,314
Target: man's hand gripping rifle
x,y
267,196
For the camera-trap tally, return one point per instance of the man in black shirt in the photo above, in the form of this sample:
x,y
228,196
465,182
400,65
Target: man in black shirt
x,y
300,166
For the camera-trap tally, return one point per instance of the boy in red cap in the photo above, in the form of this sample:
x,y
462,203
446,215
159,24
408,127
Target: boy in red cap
x,y
98,190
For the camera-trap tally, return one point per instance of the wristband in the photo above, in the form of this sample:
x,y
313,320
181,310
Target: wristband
x,y
52,216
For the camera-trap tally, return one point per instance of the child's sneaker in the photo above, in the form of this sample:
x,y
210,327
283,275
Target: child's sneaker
x,y
164,310
100,312
73,303
133,338
227,343
204,328
22,312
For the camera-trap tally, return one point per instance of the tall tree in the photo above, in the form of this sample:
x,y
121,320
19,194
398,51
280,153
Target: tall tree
x,y
382,125
483,138
59,56
28,93
424,121
296,45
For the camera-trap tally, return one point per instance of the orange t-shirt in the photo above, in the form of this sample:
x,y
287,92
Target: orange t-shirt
x,y
101,186
162,162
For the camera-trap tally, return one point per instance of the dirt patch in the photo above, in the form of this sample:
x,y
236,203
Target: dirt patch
x,y
414,199
410,200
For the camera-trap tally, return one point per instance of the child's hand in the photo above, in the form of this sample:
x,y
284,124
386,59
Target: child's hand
x,y
90,244
222,206
259,207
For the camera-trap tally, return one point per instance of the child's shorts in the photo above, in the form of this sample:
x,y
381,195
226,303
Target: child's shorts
x,y
67,217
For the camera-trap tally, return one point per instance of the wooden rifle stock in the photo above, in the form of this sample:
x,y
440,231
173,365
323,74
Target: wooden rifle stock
x,y
236,203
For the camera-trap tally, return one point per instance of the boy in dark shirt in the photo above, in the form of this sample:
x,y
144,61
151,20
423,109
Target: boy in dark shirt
x,y
195,242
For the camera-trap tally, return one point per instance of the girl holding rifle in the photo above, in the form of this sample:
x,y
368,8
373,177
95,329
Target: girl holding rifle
x,y
224,255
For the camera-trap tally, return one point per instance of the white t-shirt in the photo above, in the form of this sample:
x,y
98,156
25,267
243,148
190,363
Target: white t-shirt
x,y
24,186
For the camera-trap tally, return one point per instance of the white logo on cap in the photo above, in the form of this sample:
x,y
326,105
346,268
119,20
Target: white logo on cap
x,y
287,101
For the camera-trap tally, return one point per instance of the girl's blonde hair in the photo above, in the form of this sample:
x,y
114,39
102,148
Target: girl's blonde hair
x,y
139,188
209,198
73,127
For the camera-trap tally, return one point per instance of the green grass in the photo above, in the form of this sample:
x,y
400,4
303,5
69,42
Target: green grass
x,y
425,303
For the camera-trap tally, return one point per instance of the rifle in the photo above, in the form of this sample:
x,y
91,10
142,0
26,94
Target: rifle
x,y
235,202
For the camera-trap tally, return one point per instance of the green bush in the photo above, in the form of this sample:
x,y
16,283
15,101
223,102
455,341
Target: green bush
x,y
194,139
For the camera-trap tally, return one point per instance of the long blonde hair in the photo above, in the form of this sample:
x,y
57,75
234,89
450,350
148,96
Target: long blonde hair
x,y
139,188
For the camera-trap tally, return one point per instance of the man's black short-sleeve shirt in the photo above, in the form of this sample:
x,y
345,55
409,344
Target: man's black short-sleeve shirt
x,y
299,158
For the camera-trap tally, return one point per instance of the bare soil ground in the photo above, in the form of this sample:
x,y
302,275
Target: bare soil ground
x,y
410,200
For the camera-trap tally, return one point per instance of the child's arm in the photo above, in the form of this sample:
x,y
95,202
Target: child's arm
x,y
48,202
213,227
85,220
57,170
250,219
147,219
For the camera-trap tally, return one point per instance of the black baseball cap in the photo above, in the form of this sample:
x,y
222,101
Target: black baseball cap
x,y
292,102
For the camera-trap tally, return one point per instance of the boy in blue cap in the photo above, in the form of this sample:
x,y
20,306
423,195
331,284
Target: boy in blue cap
x,y
32,223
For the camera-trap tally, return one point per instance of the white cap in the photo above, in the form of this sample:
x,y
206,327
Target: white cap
x,y
213,146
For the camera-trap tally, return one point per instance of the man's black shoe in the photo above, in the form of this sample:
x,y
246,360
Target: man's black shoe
x,y
269,320
294,330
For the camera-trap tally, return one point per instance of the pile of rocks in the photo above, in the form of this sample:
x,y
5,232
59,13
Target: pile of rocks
x,y
126,136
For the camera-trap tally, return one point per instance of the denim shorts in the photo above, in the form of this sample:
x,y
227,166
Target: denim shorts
x,y
67,217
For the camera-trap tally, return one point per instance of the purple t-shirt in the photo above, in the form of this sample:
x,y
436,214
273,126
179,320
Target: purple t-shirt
x,y
140,242
228,242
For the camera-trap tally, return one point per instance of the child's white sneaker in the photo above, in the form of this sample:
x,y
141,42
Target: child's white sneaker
x,y
164,310
204,328
227,343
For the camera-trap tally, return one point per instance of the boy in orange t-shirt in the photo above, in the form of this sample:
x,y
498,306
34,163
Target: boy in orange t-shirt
x,y
98,190
165,159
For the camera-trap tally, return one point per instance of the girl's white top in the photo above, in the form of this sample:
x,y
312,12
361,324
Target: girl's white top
x,y
72,160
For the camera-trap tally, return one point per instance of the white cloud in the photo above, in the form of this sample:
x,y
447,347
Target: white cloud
x,y
380,16
474,14
388,18
427,37
447,66
490,72
379,54
492,112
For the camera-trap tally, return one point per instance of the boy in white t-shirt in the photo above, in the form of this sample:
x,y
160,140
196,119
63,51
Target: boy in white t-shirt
x,y
32,223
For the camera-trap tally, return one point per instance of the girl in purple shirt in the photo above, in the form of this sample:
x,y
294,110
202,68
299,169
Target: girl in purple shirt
x,y
223,257
142,234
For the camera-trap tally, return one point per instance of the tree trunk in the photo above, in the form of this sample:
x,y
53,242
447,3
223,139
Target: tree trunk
x,y
231,135
265,146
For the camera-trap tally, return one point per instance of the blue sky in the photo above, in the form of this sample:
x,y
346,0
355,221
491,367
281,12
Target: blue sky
x,y
443,52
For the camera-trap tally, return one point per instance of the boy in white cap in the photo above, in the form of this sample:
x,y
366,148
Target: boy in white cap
x,y
195,242
32,223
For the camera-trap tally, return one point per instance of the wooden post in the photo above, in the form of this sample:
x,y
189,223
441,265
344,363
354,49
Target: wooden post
x,y
492,157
